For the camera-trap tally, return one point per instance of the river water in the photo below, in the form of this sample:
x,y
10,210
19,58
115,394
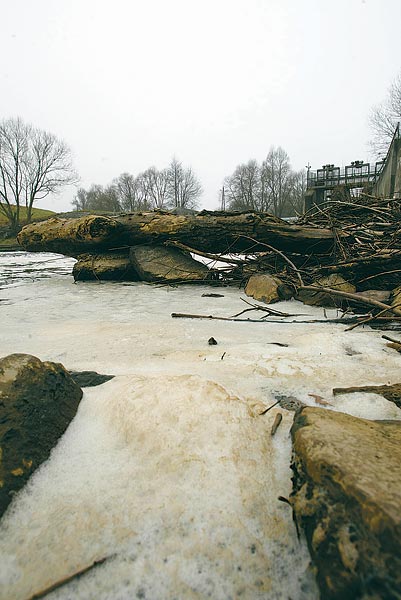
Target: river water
x,y
168,470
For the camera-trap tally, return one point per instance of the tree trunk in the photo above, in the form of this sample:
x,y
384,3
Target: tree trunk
x,y
218,232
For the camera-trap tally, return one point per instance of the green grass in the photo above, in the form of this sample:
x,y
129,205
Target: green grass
x,y
38,214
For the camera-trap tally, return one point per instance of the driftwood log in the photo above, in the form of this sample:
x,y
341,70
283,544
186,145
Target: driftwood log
x,y
218,232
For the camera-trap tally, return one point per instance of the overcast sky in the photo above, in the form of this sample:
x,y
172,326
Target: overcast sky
x,y
130,84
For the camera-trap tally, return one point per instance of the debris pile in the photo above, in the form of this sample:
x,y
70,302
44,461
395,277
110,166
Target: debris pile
x,y
335,255
366,250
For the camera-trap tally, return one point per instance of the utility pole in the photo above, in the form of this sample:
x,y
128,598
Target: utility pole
x,y
223,199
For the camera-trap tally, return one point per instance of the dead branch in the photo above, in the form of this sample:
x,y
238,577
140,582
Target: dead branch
x,y
276,424
283,256
348,296
66,580
266,309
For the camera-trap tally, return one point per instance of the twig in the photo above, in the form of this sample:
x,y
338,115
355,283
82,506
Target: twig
x,y
66,580
283,256
276,424
269,408
371,318
349,296
310,321
266,309
380,275
389,339
277,313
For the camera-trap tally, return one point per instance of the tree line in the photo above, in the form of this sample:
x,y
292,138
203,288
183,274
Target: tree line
x,y
271,186
173,187
35,163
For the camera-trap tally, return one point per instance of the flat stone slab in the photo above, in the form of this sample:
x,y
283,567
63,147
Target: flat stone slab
x,y
104,267
347,497
89,378
159,264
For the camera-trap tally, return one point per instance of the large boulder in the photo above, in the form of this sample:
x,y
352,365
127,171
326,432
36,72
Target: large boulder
x,y
267,288
37,402
333,281
160,264
347,497
109,266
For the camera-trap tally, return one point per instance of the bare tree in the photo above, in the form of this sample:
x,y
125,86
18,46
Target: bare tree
x,y
126,188
33,164
296,197
384,118
156,185
97,198
276,175
132,192
272,186
81,200
172,187
243,187
183,187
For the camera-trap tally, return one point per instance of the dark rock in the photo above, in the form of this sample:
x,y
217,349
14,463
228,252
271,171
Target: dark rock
x,y
89,378
38,400
212,342
159,264
289,402
347,497
104,267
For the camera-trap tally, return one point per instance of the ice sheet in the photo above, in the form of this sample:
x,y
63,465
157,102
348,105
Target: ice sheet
x,y
169,468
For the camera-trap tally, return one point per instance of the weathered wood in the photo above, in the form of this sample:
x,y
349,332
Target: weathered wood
x,y
390,392
206,231
68,579
358,299
71,236
276,424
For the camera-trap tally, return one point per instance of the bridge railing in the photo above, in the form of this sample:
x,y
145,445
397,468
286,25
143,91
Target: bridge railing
x,y
353,174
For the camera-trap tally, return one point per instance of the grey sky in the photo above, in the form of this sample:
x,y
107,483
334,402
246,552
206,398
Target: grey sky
x,y
129,84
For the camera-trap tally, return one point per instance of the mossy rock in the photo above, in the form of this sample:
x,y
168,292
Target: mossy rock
x,y
347,497
38,400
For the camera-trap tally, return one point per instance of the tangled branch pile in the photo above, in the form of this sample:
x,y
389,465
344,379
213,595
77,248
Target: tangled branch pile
x,y
366,252
338,249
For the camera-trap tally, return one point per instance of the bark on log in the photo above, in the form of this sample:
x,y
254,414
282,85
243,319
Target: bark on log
x,y
209,231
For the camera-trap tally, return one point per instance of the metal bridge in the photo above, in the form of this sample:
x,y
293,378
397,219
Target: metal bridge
x,y
357,175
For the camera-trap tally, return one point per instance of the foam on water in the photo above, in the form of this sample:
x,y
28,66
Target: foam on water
x,y
168,468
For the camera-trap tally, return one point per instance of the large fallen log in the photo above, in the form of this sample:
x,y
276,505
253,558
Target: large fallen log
x,y
219,232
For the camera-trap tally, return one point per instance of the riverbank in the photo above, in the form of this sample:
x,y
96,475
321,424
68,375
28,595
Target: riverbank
x,y
8,242
169,469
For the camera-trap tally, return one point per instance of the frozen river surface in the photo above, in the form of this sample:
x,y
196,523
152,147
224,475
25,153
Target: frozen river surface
x,y
168,469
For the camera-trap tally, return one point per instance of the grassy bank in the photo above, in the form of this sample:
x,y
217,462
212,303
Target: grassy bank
x,y
8,243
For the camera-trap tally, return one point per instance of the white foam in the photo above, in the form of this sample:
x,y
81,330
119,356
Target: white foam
x,y
168,467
